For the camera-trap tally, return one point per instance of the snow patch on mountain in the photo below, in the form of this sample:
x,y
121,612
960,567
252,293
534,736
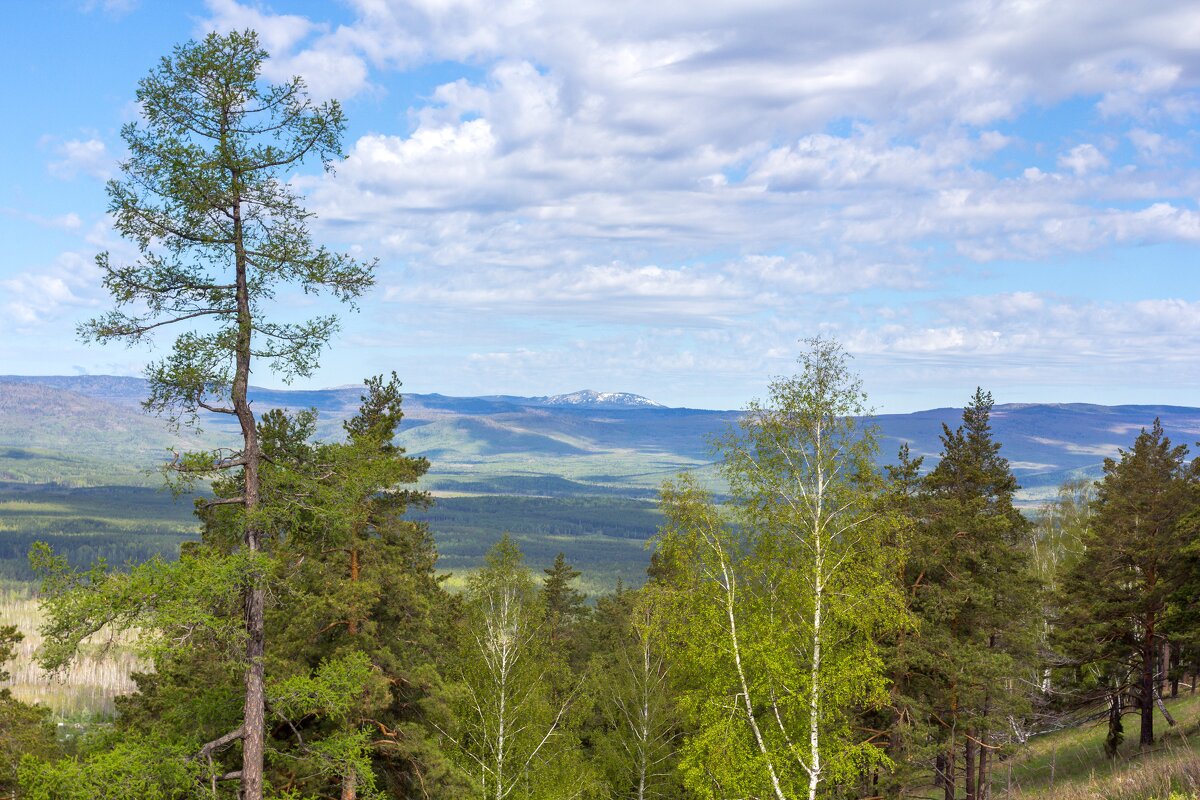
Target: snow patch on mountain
x,y
587,397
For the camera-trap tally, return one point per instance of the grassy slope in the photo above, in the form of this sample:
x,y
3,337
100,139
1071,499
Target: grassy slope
x,y
1071,765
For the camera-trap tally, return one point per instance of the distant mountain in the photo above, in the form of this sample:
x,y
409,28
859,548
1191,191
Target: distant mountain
x,y
575,473
586,442
50,434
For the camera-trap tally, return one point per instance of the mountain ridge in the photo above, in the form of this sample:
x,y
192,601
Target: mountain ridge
x,y
598,442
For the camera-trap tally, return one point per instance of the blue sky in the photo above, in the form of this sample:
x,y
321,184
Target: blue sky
x,y
665,199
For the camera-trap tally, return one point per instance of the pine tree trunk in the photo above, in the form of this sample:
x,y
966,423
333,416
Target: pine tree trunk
x,y
969,763
981,775
254,709
984,775
1146,698
350,785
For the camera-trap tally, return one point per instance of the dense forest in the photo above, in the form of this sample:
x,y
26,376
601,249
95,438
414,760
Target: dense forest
x,y
838,623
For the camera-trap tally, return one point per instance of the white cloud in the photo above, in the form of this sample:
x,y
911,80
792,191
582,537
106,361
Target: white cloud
x,y
615,133
326,61
718,179
80,157
1082,159
38,296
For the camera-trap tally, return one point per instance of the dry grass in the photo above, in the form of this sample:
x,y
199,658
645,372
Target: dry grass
x,y
1071,764
87,689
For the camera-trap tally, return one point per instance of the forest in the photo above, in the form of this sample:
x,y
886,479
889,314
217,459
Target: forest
x,y
837,623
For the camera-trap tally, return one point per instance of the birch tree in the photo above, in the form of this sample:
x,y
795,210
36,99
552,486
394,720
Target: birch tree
x,y
782,593
631,679
511,736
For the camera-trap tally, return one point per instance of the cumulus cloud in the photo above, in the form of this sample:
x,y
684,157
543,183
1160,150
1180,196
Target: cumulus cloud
x,y
755,170
1082,159
74,157
38,296
327,62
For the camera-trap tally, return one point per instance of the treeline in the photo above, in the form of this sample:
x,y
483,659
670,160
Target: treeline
x,y
831,630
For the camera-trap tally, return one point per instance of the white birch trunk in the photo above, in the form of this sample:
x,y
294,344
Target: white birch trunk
x,y
814,701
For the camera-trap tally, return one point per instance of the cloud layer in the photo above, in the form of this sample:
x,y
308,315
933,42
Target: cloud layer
x,y
642,194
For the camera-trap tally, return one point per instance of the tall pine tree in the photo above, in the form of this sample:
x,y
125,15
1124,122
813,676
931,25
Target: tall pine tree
x,y
1117,596
972,586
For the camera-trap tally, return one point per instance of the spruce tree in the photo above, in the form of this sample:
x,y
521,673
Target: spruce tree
x,y
564,606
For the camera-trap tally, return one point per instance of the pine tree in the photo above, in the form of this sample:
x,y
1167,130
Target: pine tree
x,y
204,198
972,587
1117,596
359,622
363,581
564,606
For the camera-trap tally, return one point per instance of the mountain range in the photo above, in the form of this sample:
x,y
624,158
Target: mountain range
x,y
586,442
575,472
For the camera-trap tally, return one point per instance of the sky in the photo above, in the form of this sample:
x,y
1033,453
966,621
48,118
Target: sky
x,y
668,198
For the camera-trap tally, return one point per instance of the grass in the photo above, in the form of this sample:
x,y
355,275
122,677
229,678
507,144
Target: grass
x,y
1071,764
86,689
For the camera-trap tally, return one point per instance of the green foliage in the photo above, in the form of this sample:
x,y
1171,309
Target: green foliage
x,y
355,590
779,599
24,729
634,734
361,585
563,605
166,605
204,196
511,734
1116,598
126,769
219,230
971,584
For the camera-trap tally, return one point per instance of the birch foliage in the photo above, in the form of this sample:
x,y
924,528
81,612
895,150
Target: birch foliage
x,y
782,593
511,736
